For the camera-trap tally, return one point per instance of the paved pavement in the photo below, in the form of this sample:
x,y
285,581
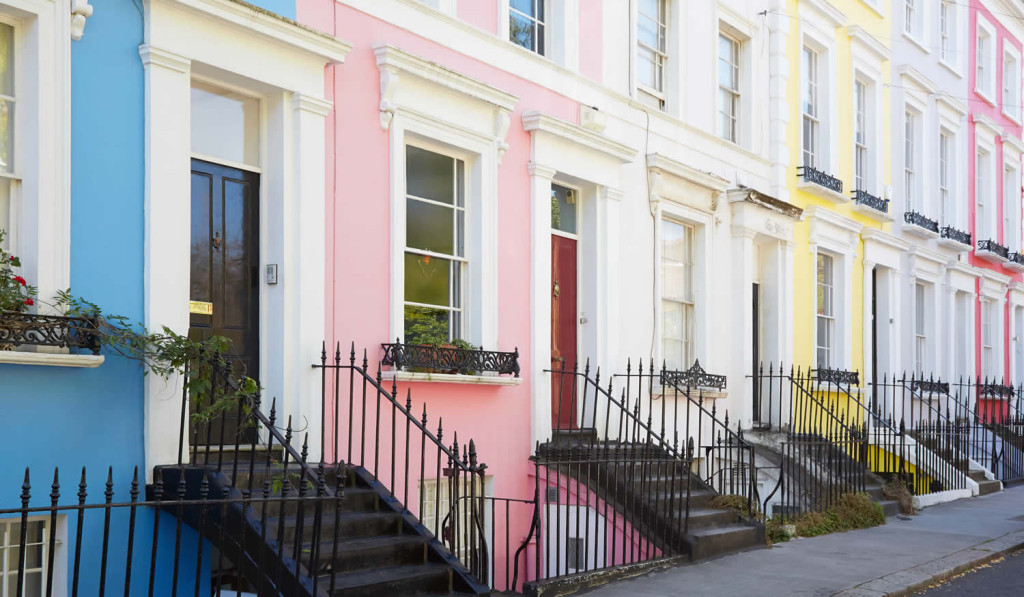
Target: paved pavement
x,y
894,559
1002,578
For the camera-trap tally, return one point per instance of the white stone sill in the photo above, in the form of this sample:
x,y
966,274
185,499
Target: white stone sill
x,y
14,357
990,256
695,393
485,380
820,191
954,244
871,212
919,231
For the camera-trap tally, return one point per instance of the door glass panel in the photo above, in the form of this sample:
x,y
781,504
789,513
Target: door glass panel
x,y
225,124
236,257
429,175
201,234
563,209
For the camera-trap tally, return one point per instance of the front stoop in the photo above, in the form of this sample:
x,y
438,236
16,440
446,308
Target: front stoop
x,y
985,485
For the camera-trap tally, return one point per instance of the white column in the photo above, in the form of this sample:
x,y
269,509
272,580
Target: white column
x,y
743,331
608,268
167,265
305,287
868,327
539,358
786,331
948,336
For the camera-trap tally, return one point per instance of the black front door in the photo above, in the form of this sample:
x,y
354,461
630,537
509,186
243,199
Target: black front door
x,y
224,289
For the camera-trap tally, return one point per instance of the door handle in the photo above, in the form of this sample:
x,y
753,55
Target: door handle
x,y
216,241
555,289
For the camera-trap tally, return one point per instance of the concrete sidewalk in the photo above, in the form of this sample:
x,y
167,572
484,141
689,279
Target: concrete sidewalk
x,y
901,556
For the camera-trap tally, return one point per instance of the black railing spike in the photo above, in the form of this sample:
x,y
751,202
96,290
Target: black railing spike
x,y
689,448
440,431
82,488
903,426
26,490
304,454
55,488
455,443
288,431
158,488
323,352
204,488
424,419
273,411
337,352
408,400
135,484
629,366
109,493
321,484
472,454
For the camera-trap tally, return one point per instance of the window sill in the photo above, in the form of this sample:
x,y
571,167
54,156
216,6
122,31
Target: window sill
x,y
952,69
881,216
820,191
913,39
984,96
872,5
1012,118
1015,266
919,231
695,393
485,380
954,244
14,357
990,256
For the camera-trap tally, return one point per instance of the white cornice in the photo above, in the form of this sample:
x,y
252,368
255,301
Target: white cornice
x,y
860,36
314,105
884,238
1013,141
168,60
954,104
658,163
917,78
831,13
392,58
980,120
830,217
927,254
263,22
534,121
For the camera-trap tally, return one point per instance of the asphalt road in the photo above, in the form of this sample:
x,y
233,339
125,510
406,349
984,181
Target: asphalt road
x,y
1003,578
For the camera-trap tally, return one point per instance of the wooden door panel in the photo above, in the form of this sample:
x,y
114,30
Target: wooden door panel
x,y
563,330
224,272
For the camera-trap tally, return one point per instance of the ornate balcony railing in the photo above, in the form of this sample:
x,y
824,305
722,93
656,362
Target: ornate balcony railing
x,y
921,221
694,377
29,329
929,387
444,359
955,234
868,200
819,178
993,247
995,390
1017,257
838,377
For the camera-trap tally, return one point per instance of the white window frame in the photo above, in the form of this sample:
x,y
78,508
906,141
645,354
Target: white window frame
x,y
540,42
913,20
699,223
862,136
458,293
912,150
656,98
1011,184
40,192
985,192
1011,87
689,303
985,64
811,146
946,178
948,33
735,111
988,350
825,73
920,330
830,344
8,541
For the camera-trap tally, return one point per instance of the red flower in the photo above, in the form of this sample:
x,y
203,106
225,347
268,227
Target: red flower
x,y
29,302
11,258
19,280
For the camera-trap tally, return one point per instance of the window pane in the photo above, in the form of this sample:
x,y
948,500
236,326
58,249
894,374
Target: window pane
x,y
563,213
429,227
520,30
426,326
524,6
647,30
225,124
6,59
5,210
646,68
429,175
426,279
6,135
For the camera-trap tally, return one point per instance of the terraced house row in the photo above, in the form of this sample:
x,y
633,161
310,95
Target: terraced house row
x,y
386,297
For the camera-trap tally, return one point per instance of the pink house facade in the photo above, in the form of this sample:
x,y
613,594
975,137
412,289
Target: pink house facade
x,y
995,147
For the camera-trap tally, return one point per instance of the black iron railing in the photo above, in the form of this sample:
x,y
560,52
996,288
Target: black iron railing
x,y
839,377
921,221
445,359
17,329
868,200
994,247
954,234
695,378
1017,257
815,176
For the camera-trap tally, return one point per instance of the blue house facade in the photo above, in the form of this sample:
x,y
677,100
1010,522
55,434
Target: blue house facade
x,y
98,167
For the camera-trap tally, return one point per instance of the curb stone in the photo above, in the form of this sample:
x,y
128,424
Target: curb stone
x,y
921,576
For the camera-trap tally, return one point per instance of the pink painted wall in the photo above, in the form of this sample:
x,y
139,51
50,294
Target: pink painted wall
x,y
977,104
591,40
358,221
482,13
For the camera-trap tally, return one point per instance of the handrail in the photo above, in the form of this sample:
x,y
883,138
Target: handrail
x,y
796,382
877,418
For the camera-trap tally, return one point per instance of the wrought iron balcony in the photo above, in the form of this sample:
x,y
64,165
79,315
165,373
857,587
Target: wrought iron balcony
x,y
995,390
921,221
838,377
694,377
29,329
445,359
868,200
819,178
929,387
953,234
1017,258
994,248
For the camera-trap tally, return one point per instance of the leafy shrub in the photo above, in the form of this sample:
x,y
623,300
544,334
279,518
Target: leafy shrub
x,y
897,491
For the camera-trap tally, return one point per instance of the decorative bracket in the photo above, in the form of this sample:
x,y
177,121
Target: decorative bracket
x,y
388,88
502,122
80,11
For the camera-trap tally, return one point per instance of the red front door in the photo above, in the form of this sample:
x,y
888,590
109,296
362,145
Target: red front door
x,y
563,331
